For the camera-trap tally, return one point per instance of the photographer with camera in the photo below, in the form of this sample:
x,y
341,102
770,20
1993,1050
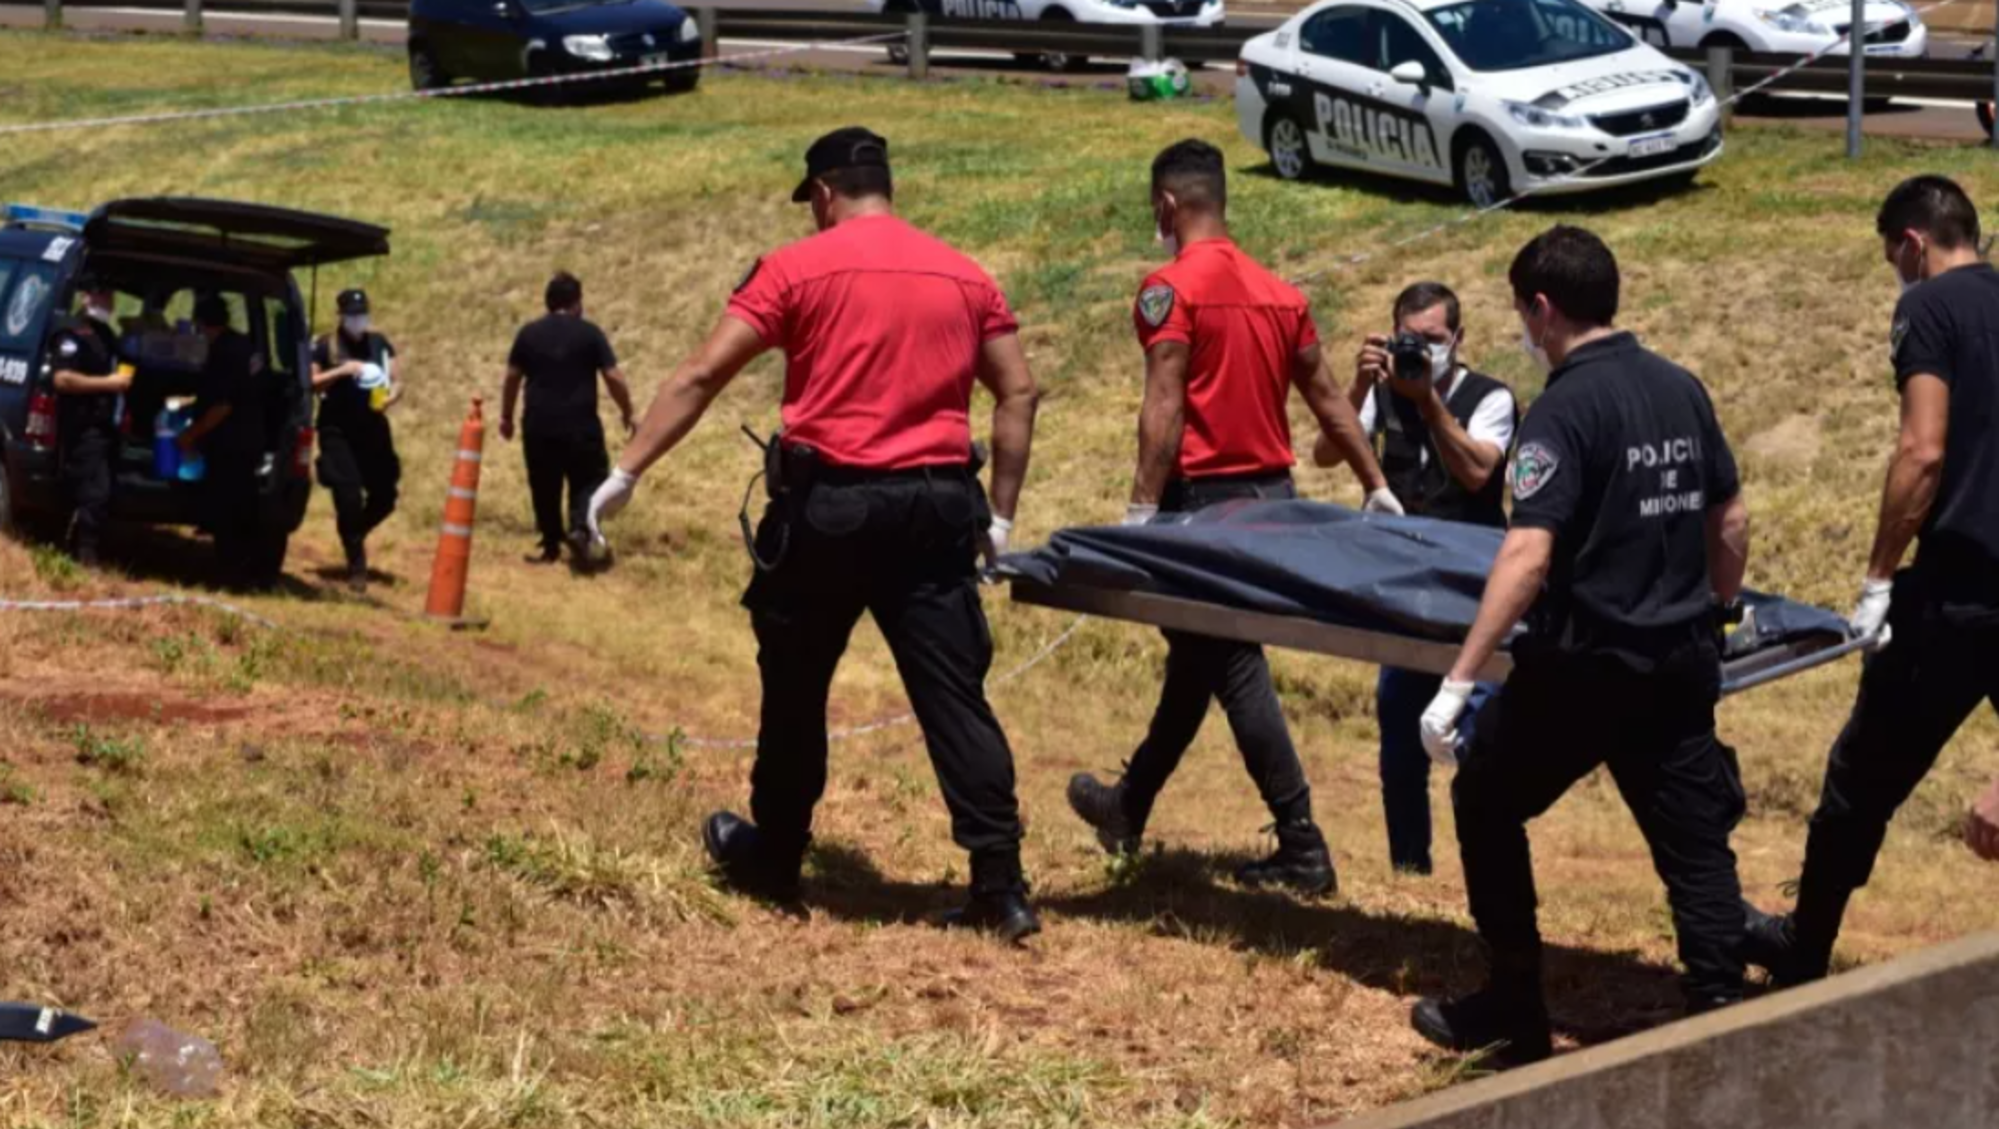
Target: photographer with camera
x,y
1442,433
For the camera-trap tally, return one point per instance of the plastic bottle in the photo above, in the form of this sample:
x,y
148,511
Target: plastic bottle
x,y
374,380
186,1066
166,446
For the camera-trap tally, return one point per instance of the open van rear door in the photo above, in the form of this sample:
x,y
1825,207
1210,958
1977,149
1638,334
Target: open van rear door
x,y
224,232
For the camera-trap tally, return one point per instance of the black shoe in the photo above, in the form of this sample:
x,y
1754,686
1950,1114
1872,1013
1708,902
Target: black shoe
x,y
738,850
86,556
1512,1025
546,555
1302,862
1770,942
1006,916
1701,1005
1101,806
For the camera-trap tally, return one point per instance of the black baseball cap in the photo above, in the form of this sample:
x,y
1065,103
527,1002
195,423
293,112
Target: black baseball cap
x,y
352,302
851,148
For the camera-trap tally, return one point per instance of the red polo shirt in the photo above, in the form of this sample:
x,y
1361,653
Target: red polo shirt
x,y
1244,326
881,327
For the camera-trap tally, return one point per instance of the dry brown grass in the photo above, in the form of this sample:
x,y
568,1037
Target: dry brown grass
x,y
406,877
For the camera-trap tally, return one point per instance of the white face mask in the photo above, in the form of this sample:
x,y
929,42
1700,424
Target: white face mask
x,y
1440,362
1534,351
1908,283
97,313
356,325
1168,241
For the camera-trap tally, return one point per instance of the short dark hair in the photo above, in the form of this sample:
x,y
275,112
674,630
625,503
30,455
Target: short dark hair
x,y
1425,295
859,182
565,292
212,310
1933,205
1194,172
1574,268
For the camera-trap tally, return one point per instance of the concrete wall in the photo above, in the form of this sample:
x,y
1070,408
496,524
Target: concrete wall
x,y
1910,1044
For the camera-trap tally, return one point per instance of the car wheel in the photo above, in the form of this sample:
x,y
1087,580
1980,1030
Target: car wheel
x,y
1061,60
898,54
425,74
1482,173
1724,39
1290,151
10,518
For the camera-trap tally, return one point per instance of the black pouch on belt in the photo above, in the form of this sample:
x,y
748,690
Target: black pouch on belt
x,y
787,475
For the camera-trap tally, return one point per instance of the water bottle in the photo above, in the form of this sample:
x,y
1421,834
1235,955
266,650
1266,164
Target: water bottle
x,y
166,446
374,380
186,1066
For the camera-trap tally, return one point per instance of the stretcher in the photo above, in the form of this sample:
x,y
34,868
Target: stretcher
x,y
1308,576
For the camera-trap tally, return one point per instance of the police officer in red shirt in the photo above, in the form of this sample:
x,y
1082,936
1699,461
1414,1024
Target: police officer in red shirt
x,y
1225,343
876,509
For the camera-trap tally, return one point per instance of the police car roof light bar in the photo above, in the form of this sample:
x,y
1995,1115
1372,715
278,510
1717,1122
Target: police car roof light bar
x,y
29,215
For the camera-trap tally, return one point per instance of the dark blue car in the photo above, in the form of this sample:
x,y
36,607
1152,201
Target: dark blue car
x,y
496,40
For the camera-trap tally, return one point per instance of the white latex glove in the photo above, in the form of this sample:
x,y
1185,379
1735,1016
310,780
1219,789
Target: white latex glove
x,y
997,535
609,499
1870,616
1382,501
1136,514
1440,722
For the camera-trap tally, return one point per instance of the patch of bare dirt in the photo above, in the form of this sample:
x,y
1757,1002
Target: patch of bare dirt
x,y
96,707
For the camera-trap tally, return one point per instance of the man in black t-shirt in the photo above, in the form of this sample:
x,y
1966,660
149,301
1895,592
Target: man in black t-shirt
x,y
1936,623
89,380
358,377
1628,530
231,430
560,358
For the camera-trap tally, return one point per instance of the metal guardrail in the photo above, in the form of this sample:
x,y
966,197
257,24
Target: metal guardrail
x,y
1964,80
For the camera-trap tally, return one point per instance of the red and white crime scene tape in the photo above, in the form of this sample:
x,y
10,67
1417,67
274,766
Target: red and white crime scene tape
x,y
472,90
134,603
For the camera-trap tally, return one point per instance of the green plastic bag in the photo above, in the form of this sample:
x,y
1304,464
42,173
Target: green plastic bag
x,y
1157,82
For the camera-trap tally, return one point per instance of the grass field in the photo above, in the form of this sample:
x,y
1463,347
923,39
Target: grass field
x,y
412,878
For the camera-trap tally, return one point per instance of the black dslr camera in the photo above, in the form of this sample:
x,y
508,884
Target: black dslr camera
x,y
1411,355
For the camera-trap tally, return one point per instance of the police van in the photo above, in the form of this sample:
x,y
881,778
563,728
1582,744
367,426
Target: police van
x,y
1494,97
1892,29
1126,13
160,255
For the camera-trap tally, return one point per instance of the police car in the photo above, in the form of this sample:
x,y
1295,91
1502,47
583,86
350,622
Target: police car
x,y
1492,96
1893,29
1129,13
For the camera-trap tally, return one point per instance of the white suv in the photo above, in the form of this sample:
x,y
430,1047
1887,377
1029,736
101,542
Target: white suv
x,y
1783,27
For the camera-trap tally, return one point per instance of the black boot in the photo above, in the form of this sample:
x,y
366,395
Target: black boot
x,y
1508,1016
1302,862
999,900
1101,806
745,861
1770,942
357,567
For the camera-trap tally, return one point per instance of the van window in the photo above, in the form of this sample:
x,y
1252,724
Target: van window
x,y
282,344
33,284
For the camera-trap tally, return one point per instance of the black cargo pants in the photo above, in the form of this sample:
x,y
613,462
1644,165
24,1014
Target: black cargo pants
x,y
1941,663
1558,718
1201,669
568,456
89,453
359,467
902,547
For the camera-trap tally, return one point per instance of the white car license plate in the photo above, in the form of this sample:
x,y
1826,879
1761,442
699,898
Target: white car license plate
x,y
1652,146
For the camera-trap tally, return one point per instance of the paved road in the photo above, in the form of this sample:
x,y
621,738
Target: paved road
x,y
1941,121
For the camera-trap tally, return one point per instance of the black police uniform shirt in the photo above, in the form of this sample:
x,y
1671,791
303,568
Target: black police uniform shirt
x,y
1621,459
234,375
344,404
561,355
84,345
1948,328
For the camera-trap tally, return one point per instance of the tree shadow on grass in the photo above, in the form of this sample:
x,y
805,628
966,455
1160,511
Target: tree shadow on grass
x,y
1177,893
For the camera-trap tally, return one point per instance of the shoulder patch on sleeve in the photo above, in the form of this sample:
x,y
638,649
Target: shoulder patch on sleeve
x,y
748,276
1896,336
1155,303
1534,466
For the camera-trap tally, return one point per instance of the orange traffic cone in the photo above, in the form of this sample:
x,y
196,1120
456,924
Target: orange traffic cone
x,y
454,540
